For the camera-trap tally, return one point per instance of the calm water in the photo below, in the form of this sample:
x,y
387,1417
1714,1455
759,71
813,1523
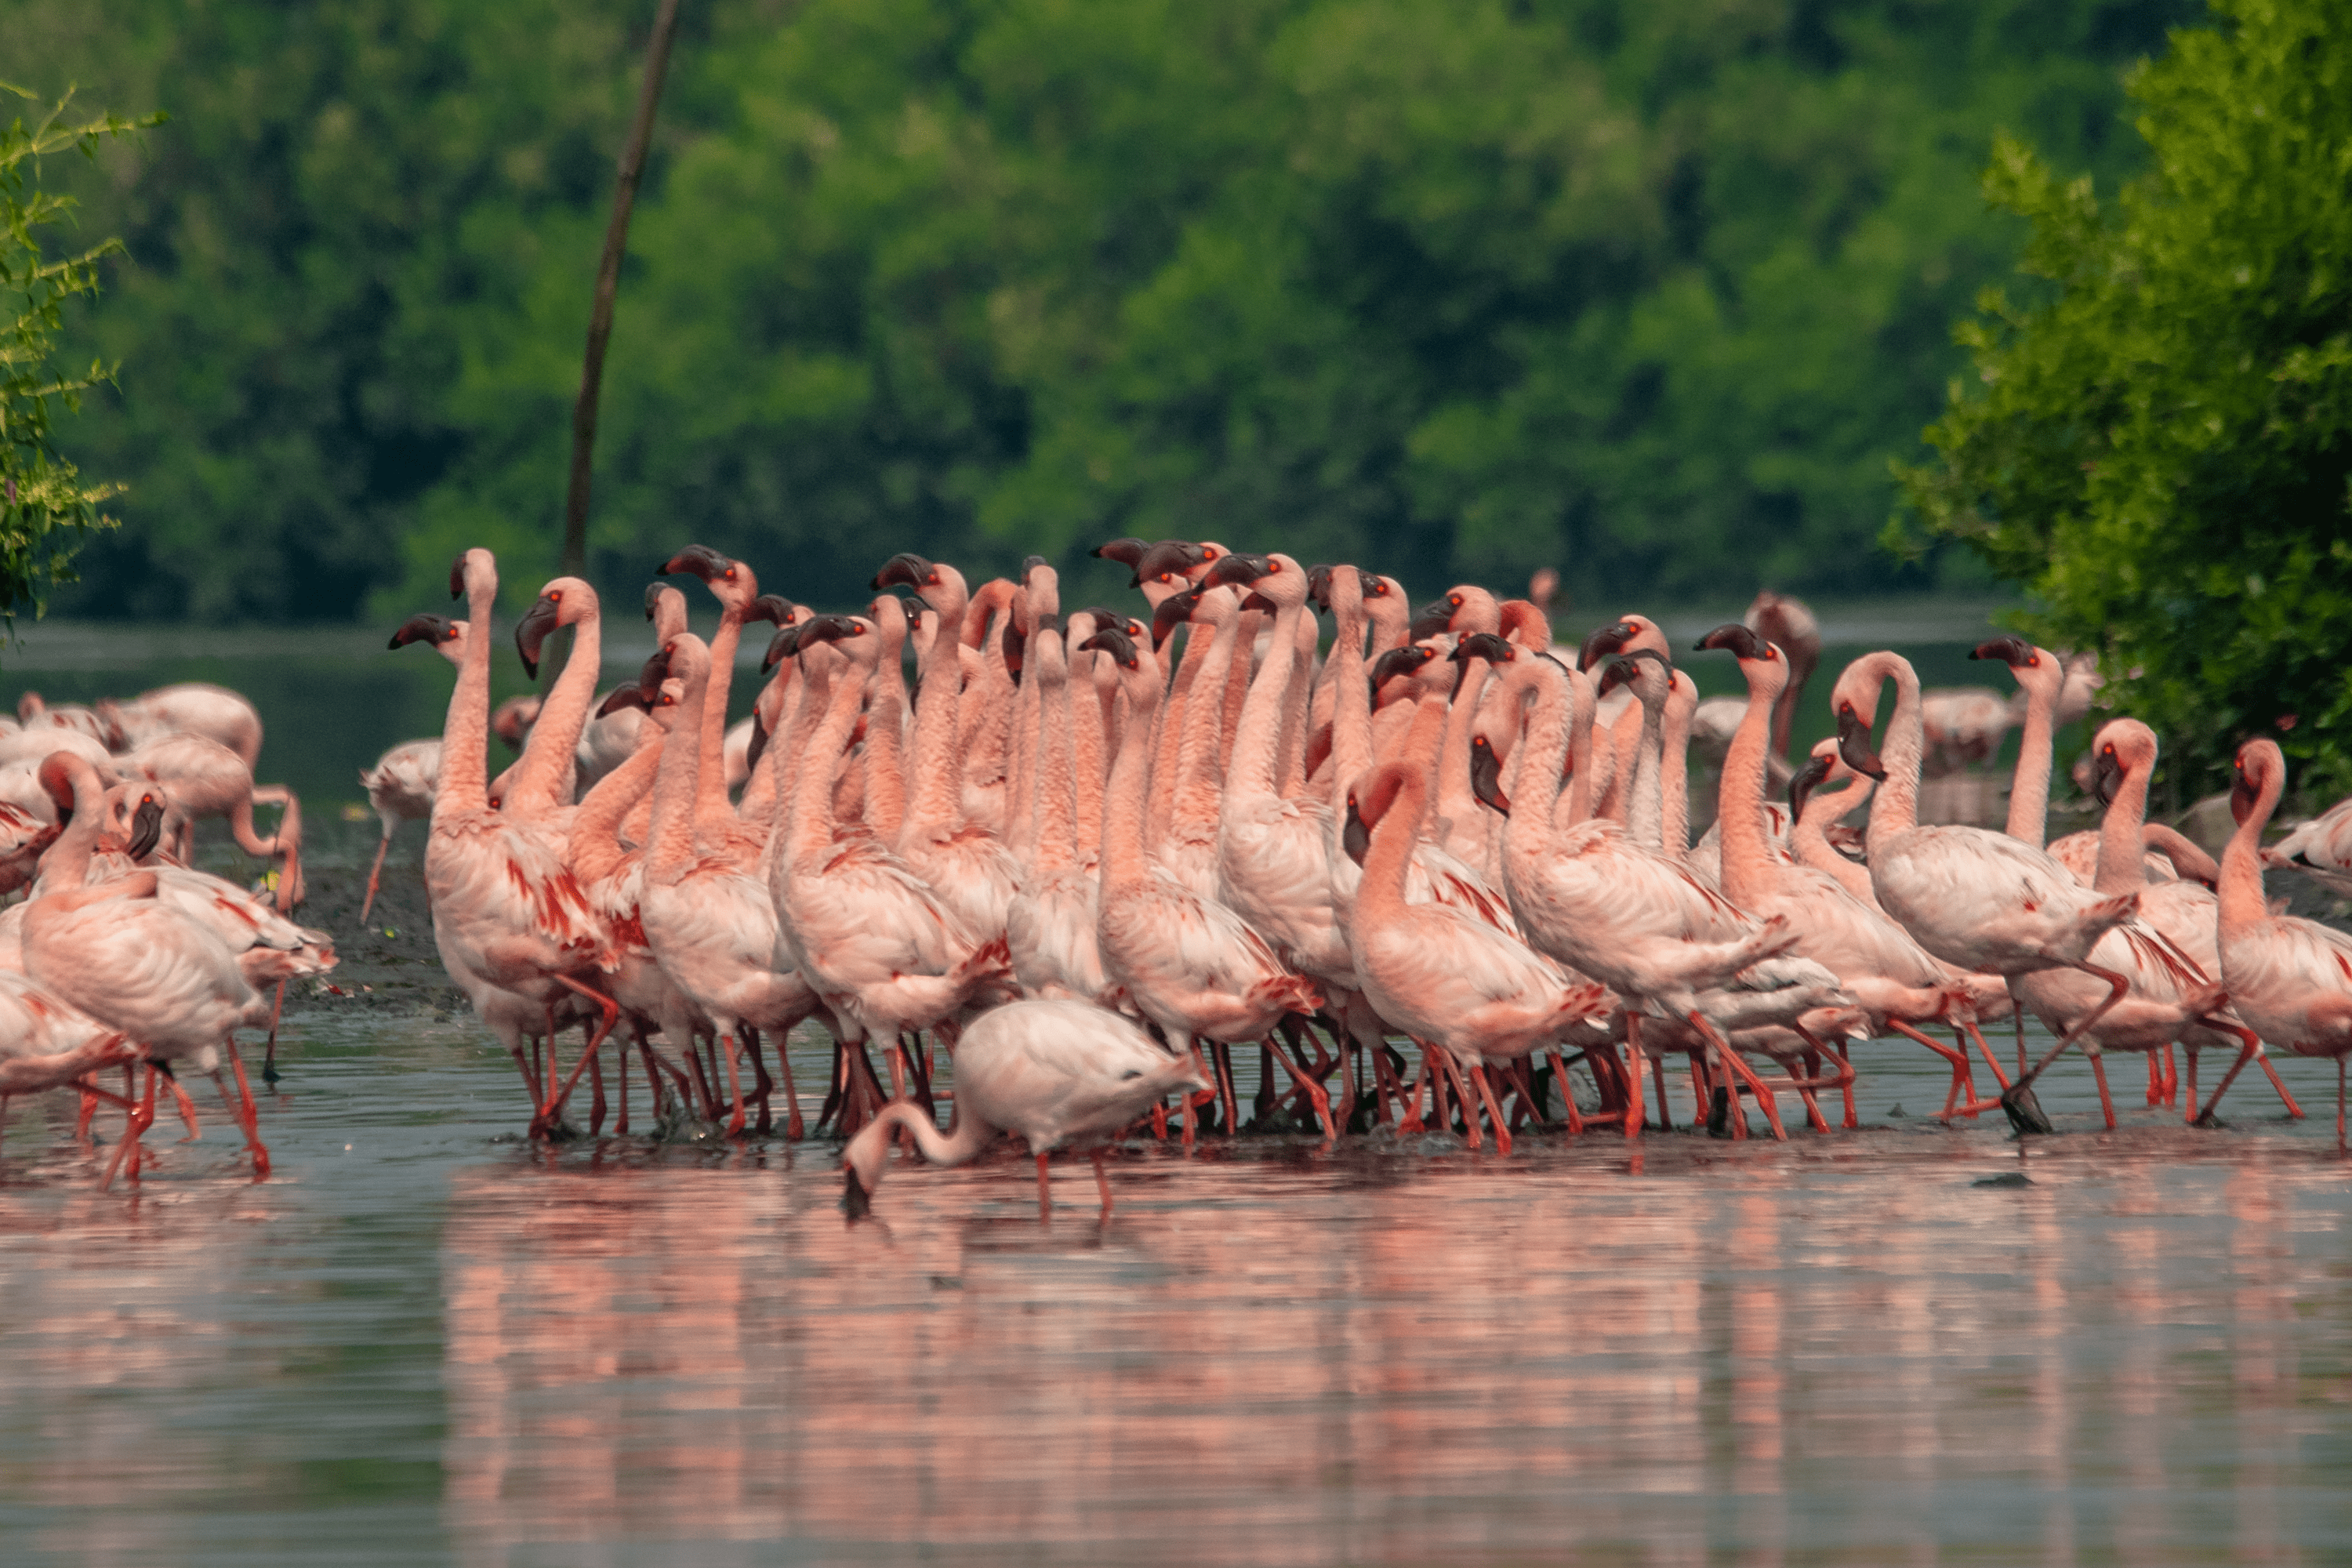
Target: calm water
x,y
423,1341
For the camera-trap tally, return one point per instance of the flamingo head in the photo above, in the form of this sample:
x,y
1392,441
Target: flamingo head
x,y
1789,624
855,636
1136,630
1604,641
1126,551
432,630
1369,801
1479,648
2261,768
1168,564
473,570
1138,670
775,609
1810,777
1486,776
1543,587
1644,669
1854,742
564,602
782,646
622,698
1175,611
146,822
513,720
1397,662
2121,745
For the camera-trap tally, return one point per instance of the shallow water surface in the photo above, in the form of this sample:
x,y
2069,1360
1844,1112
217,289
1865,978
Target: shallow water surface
x,y
424,1341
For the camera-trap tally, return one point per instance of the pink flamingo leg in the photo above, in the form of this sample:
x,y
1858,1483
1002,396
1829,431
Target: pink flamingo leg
x,y
1102,1182
2285,1098
1637,1116
1044,1195
249,1117
376,875
2099,1071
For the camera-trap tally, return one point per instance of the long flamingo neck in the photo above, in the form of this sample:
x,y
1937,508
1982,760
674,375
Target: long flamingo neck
x,y
1351,704
1394,838
2243,908
711,806
935,802
1645,799
1290,771
885,772
2123,864
1124,805
1256,746
758,801
1746,861
1809,843
2029,791
1088,740
813,803
1455,801
551,760
1020,774
1543,754
675,783
65,865
595,845
1169,720
465,781
1198,779
1897,807
1673,771
1052,779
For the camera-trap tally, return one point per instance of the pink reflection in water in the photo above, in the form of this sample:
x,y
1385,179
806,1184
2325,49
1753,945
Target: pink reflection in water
x,y
1282,1358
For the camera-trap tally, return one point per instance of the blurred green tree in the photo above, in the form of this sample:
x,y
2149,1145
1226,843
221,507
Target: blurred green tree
x,y
47,507
2160,441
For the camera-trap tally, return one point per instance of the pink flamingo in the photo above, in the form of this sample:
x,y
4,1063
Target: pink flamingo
x,y
1980,900
2291,978
1189,965
510,923
1458,987
1787,623
192,708
710,923
1055,1071
1898,983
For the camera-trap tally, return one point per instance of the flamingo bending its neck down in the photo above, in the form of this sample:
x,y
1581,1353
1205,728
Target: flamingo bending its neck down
x,y
1055,1071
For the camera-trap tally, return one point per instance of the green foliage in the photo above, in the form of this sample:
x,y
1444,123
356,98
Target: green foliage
x,y
1647,292
45,507
2160,444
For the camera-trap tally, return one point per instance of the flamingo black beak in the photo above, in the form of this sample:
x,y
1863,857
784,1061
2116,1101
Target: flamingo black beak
x,y
1486,776
1431,619
2011,651
652,597
905,568
781,646
622,697
457,576
1172,557
1173,612
699,560
759,741
1318,587
655,672
1236,570
856,1201
1126,551
436,629
146,826
2106,776
770,607
1808,779
1741,640
1604,641
1114,642
1485,645
1854,744
1356,838
532,633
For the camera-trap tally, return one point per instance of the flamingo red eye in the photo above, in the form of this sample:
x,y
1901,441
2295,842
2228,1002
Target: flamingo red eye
x,y
2033,660
555,595
1455,600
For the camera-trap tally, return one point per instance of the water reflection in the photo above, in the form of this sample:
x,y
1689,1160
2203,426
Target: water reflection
x,y
424,1345
1405,1358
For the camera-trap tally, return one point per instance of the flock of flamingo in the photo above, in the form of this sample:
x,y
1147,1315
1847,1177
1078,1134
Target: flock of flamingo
x,y
1085,865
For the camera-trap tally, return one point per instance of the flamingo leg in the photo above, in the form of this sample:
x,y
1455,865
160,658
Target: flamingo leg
x,y
1567,1097
2171,1075
1636,1117
1044,1195
1493,1111
277,1009
1315,1092
608,1014
1741,1069
1991,1060
1845,1083
2248,1052
2293,1110
596,1084
249,1116
1658,1077
1195,1100
2024,1111
1443,1062
2099,1071
2156,1077
621,1078
2339,1104
1102,1182
376,875
140,1118
1227,1099
1958,1059
187,1109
